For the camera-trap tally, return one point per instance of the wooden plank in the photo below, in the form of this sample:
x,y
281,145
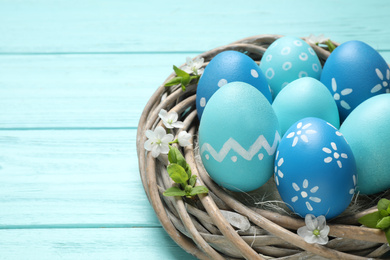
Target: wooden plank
x,y
85,244
79,90
71,178
62,26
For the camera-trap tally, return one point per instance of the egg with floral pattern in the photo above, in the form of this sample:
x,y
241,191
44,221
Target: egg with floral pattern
x,y
315,169
287,59
226,67
354,72
238,137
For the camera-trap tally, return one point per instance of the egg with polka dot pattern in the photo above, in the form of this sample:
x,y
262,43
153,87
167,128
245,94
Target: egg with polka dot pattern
x,y
315,169
353,73
238,137
287,59
226,67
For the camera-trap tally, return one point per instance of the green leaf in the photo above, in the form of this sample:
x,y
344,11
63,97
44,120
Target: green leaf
x,y
193,180
198,190
172,82
177,173
174,191
383,204
387,233
383,223
175,156
384,213
330,45
180,73
185,81
370,220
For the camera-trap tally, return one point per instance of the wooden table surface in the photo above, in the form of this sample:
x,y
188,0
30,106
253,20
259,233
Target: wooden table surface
x,y
74,78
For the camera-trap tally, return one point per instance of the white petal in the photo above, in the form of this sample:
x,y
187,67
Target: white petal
x,y
148,145
178,124
346,91
173,116
295,141
150,134
156,151
333,146
304,138
304,232
308,205
305,183
312,239
299,125
328,159
290,135
314,189
322,240
184,138
310,131
280,174
311,222
295,186
388,74
306,126
321,223
345,105
188,60
324,231
159,132
167,138
163,114
334,85
376,88
326,150
340,164
164,148
280,162
315,199
379,73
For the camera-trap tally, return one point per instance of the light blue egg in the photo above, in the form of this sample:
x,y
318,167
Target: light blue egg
x,y
305,97
226,67
354,72
238,137
315,170
367,130
287,59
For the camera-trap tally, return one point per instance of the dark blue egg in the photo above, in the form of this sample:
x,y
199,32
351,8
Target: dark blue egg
x,y
226,67
315,170
353,73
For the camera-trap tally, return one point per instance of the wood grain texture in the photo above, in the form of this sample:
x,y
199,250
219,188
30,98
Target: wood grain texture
x,y
149,26
89,244
71,178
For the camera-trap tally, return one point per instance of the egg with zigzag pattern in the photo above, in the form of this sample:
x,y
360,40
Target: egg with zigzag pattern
x,y
238,136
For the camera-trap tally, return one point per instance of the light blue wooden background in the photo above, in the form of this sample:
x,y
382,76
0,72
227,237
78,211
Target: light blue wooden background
x,y
74,78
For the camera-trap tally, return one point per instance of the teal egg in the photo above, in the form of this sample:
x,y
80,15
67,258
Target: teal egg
x,y
305,97
367,131
287,59
238,137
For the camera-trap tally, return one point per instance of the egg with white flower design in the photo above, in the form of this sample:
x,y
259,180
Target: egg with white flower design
x,y
238,137
226,67
287,59
315,169
354,72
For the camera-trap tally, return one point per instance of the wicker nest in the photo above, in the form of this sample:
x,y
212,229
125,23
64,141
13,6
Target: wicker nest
x,y
221,225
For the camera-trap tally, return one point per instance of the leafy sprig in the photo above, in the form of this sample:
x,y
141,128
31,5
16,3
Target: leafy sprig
x,y
189,74
379,219
180,172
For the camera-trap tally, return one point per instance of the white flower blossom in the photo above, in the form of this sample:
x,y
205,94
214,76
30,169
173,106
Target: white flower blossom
x,y
158,141
184,138
170,119
316,39
194,66
316,231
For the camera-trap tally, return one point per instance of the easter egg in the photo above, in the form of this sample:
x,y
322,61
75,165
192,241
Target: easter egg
x,y
367,131
315,169
354,72
238,137
287,59
305,97
226,67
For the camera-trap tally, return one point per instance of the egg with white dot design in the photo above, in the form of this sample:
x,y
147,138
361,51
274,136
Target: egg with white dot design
x,y
287,59
226,67
315,170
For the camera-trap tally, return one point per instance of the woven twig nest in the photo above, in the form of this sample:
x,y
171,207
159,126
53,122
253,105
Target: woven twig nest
x,y
221,225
